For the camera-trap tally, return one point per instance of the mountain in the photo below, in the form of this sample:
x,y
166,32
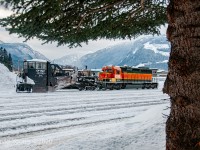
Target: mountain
x,y
67,60
93,59
1,42
20,52
150,51
111,55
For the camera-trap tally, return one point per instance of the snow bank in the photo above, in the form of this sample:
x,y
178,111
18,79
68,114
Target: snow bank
x,y
7,79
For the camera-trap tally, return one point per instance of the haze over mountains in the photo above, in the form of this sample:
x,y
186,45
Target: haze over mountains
x,y
150,51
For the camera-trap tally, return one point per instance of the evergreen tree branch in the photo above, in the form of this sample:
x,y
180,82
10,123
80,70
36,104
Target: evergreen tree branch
x,y
94,10
74,22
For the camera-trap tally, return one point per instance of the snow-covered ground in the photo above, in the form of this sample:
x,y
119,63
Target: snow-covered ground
x,y
126,119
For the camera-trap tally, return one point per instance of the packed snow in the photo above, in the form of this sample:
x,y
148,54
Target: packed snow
x,y
128,119
7,79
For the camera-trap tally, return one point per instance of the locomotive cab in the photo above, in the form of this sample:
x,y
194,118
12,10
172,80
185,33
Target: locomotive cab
x,y
110,74
111,77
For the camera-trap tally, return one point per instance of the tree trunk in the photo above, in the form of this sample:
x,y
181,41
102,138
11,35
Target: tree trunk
x,y
183,80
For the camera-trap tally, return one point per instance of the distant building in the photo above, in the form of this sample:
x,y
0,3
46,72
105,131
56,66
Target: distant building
x,y
68,71
95,72
162,73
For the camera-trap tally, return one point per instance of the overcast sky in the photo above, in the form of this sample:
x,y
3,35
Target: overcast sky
x,y
51,51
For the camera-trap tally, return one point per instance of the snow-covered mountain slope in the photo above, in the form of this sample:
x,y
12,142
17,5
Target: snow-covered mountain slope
x,y
108,56
7,79
151,51
20,51
68,59
92,60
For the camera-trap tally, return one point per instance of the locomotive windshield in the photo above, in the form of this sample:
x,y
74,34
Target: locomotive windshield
x,y
108,70
35,65
31,65
40,65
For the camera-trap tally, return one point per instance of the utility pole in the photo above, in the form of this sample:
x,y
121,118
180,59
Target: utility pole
x,y
18,65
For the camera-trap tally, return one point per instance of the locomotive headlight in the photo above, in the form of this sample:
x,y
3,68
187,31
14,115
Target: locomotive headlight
x,y
113,80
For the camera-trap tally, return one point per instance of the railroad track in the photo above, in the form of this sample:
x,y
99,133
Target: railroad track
x,y
72,110
33,116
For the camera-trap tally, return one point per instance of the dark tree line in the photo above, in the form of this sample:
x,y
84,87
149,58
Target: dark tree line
x,y
6,59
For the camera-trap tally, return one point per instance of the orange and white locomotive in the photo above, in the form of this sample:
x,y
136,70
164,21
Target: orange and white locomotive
x,y
116,77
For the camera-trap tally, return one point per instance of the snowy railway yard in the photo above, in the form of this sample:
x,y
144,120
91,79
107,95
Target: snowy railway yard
x,y
128,119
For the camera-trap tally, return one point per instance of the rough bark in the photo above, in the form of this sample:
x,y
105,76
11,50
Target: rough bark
x,y
183,80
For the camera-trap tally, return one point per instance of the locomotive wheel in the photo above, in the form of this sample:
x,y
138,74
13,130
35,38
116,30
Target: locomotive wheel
x,y
148,86
123,86
80,89
143,86
117,86
109,86
152,86
93,88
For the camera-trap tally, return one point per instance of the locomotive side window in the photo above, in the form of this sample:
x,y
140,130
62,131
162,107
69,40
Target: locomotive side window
x,y
40,65
124,69
129,70
31,65
44,65
135,70
146,71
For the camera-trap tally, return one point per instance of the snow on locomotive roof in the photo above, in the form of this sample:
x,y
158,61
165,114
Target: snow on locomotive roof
x,y
96,70
36,60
